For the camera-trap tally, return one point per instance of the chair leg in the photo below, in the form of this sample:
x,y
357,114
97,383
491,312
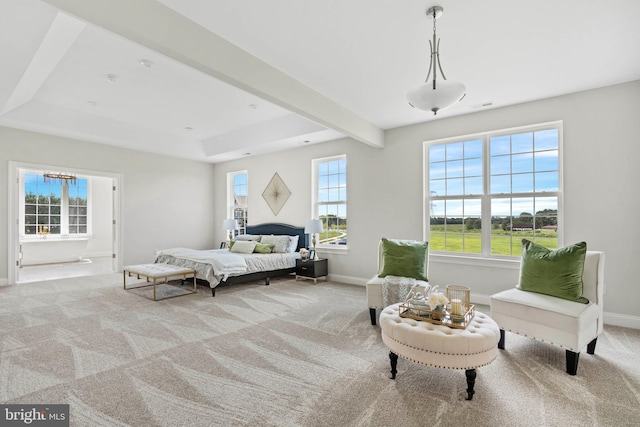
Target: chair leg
x,y
572,362
372,314
591,347
501,342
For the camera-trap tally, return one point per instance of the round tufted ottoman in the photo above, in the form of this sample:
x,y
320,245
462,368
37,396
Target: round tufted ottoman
x,y
438,345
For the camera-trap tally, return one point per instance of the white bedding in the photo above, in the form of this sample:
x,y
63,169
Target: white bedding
x,y
216,265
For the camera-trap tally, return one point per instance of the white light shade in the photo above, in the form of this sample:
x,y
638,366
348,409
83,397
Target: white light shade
x,y
444,96
313,226
229,224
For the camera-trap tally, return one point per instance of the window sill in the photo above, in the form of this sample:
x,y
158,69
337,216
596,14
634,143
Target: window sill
x,y
512,263
333,249
50,238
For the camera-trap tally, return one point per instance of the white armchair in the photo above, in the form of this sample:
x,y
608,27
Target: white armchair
x,y
564,323
375,298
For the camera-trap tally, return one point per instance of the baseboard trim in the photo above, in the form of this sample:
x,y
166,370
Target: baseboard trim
x,y
623,320
4,281
350,280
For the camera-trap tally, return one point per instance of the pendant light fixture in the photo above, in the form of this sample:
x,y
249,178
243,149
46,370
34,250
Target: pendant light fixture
x,y
435,96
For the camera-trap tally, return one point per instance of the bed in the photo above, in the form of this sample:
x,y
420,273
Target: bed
x,y
222,266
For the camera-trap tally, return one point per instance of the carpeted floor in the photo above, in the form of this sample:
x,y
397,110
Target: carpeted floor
x,y
288,354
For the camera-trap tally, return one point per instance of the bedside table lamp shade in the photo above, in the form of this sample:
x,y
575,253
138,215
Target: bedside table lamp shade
x,y
312,227
230,225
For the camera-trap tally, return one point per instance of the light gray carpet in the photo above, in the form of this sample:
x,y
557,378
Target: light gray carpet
x,y
289,354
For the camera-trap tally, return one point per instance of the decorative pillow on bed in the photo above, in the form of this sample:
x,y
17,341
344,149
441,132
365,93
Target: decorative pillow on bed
x,y
280,243
254,237
243,247
293,244
263,248
557,273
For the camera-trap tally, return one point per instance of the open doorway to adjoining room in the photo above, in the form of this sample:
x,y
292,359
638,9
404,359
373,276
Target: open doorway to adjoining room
x,y
65,222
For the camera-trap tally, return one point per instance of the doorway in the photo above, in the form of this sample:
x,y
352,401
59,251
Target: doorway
x,y
68,235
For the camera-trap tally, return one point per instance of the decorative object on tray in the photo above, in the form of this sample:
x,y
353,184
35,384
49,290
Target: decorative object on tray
x,y
276,193
428,304
459,297
396,289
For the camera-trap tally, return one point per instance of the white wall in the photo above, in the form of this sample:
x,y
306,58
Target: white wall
x,y
167,202
101,241
385,190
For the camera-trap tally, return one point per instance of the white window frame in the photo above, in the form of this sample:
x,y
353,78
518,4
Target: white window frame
x,y
486,197
315,204
231,205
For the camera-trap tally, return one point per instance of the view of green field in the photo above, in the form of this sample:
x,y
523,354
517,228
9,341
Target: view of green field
x,y
456,239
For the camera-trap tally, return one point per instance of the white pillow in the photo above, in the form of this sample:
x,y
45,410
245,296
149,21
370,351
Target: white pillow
x,y
293,244
243,247
280,243
254,237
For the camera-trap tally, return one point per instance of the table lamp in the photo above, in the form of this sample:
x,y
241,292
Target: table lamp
x,y
312,227
230,225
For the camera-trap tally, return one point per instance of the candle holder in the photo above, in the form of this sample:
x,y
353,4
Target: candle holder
x,y
459,301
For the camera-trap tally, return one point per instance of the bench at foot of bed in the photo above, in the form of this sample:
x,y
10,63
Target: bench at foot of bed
x,y
158,274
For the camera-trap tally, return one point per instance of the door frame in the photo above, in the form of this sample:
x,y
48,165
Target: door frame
x,y
13,211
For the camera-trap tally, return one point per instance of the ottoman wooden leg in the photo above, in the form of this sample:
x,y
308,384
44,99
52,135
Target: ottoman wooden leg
x,y
471,381
394,363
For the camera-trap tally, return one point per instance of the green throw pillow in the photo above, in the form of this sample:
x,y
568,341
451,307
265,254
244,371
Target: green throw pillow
x,y
243,247
263,248
404,258
557,273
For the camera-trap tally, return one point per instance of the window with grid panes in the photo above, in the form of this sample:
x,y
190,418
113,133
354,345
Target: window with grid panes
x,y
330,204
54,207
487,192
238,199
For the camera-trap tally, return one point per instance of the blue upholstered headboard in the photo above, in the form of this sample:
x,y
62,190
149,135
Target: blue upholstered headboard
x,y
281,229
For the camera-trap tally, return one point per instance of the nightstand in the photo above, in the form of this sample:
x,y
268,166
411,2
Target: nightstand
x,y
312,269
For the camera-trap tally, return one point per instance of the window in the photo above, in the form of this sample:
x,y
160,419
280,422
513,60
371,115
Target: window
x,y
487,192
238,199
54,207
330,199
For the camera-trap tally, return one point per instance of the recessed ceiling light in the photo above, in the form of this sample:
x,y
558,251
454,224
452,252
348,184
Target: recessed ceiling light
x,y
253,106
246,154
112,77
146,63
188,129
306,141
92,103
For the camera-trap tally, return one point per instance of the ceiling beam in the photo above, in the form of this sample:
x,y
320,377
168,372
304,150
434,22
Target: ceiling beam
x,y
158,27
